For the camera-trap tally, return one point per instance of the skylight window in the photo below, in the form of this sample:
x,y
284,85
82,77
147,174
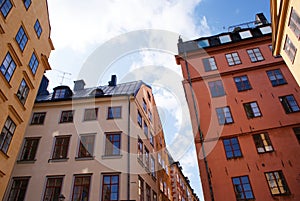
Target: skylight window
x,y
266,30
225,39
245,34
203,43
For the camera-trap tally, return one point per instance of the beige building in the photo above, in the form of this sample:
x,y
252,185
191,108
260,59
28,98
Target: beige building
x,y
25,46
100,143
285,16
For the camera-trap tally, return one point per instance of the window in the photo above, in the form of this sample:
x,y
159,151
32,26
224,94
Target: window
x,y
216,88
252,110
152,166
139,119
294,23
141,189
233,59
148,193
81,187
154,196
276,77
297,133
8,67
232,148
263,143
61,147
86,146
29,149
5,7
277,183
7,134
151,139
159,158
255,55
38,28
18,189
90,114
38,118
23,92
149,96
144,106
113,144
245,34
33,63
147,158
140,150
150,115
27,3
242,188
224,115
203,43
114,112
21,38
209,64
59,93
289,104
225,39
145,129
66,116
265,30
290,49
110,188
242,83
53,188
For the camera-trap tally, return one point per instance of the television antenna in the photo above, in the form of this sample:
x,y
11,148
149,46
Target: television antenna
x,y
63,75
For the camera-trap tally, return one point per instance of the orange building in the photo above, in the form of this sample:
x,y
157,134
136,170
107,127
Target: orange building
x,y
244,106
25,46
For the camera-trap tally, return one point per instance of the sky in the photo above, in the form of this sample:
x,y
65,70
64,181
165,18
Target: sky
x,y
137,40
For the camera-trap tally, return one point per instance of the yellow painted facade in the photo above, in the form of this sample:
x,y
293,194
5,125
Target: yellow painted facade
x,y
20,20
286,33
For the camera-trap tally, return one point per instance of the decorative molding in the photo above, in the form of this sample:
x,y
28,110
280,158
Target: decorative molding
x,y
2,174
1,30
45,62
14,54
28,81
15,113
2,96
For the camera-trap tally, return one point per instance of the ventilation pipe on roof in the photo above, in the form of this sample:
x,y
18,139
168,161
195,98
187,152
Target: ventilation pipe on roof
x,y
113,81
79,85
260,19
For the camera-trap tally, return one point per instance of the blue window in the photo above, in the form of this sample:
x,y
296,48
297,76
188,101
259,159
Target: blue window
x,y
276,77
216,88
23,92
38,28
289,104
8,67
33,63
242,83
139,119
209,64
224,115
5,7
242,188
114,112
27,3
21,38
232,148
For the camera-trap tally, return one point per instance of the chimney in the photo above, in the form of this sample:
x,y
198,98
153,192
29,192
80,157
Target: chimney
x,y
113,81
78,85
260,19
43,87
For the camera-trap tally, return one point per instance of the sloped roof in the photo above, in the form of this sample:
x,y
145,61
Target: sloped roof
x,y
123,89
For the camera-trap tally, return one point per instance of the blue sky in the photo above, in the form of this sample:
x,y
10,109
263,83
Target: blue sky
x,y
94,33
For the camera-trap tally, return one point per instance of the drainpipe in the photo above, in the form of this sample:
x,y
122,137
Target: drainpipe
x,y
128,150
199,128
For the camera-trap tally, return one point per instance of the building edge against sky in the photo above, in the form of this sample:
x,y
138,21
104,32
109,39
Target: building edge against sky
x,y
285,16
244,110
24,50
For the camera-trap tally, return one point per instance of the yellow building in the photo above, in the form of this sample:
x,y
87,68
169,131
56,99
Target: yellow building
x,y
285,16
25,45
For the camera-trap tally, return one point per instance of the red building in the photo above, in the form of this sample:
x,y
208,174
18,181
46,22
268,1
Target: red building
x,y
244,106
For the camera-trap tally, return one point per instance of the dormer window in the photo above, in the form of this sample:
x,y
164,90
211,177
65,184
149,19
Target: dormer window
x,y
62,92
97,92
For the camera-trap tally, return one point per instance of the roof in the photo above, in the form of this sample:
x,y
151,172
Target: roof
x,y
123,89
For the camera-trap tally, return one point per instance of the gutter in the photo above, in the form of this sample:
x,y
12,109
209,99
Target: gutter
x,y
128,149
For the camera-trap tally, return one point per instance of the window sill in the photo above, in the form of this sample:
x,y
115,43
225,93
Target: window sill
x,y
4,154
140,162
58,160
26,161
112,156
65,122
84,158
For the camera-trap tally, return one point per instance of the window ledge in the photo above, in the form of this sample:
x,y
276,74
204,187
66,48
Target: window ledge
x,y
140,162
26,161
4,154
111,156
58,160
84,158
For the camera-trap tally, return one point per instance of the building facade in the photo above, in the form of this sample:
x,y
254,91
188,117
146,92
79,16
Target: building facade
x,y
25,46
285,16
100,143
244,107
